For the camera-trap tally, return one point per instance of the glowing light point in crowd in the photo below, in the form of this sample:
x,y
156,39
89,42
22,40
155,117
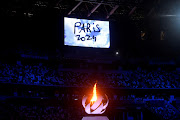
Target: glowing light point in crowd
x,y
97,103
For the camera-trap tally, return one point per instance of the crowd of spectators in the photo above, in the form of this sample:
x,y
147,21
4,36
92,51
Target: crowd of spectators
x,y
75,78
40,112
38,74
42,74
167,112
144,79
45,74
34,111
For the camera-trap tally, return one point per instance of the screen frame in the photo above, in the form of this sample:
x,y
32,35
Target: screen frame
x,y
90,20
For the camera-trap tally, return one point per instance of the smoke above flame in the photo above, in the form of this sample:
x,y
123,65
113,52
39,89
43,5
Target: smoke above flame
x,y
94,97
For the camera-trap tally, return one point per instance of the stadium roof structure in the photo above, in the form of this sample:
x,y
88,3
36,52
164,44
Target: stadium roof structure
x,y
136,10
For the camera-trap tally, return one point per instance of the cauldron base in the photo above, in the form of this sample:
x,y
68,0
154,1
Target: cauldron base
x,y
95,118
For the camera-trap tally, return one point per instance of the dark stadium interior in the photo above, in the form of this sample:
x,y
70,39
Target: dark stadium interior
x,y
41,78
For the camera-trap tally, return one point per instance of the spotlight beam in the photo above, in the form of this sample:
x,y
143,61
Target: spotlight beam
x,y
153,8
150,12
94,9
58,2
75,7
112,11
132,11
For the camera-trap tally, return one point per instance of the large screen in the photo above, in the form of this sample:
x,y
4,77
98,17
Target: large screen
x,y
86,33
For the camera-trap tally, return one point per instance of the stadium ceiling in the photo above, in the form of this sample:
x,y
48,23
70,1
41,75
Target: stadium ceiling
x,y
136,10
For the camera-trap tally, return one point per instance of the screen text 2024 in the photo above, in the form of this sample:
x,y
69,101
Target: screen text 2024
x,y
86,27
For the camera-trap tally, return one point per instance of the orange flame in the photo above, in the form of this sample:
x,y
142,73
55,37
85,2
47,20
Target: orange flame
x,y
94,97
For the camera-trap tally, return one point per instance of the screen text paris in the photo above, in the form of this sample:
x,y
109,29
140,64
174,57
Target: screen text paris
x,y
85,27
